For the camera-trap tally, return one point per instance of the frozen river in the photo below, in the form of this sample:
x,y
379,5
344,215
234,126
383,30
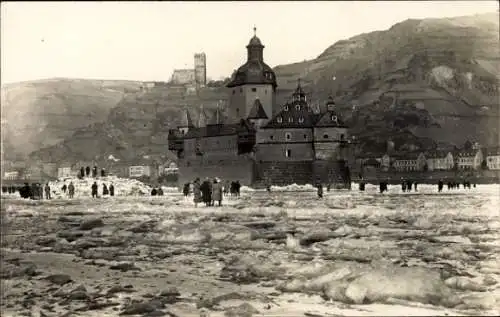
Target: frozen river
x,y
265,254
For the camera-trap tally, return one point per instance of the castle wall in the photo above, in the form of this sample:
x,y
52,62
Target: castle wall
x,y
280,135
228,169
284,173
183,76
332,133
278,151
219,146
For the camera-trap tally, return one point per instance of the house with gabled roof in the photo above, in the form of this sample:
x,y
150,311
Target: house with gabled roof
x,y
440,160
409,161
468,159
492,158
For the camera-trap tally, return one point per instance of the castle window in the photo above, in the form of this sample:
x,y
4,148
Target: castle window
x,y
301,120
285,108
342,137
254,89
288,153
334,118
271,137
305,136
144,125
288,136
279,119
297,107
325,136
290,119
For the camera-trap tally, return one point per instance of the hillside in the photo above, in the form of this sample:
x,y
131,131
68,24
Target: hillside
x,y
419,83
42,113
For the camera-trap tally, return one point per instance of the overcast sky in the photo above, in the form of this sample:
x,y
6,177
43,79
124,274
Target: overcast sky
x,y
147,40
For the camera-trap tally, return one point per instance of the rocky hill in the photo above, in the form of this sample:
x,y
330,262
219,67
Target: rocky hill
x,y
420,83
43,113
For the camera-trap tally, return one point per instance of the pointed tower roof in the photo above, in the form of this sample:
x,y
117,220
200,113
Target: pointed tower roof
x,y
186,121
202,119
257,111
217,118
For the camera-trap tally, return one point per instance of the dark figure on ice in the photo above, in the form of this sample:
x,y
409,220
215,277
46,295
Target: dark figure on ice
x,y
105,191
415,184
320,190
403,186
217,192
449,185
474,185
71,190
185,190
154,191
197,197
111,190
361,185
103,172
238,187
64,188
87,171
47,191
206,192
233,189
94,190
94,172
227,184
26,191
440,185
159,192
34,191
5,189
82,172
383,186
409,184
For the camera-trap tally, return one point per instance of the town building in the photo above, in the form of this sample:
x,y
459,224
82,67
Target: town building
x,y
139,171
493,158
411,161
258,142
440,160
469,159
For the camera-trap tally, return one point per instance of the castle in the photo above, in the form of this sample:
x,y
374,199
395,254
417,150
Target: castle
x,y
259,142
197,76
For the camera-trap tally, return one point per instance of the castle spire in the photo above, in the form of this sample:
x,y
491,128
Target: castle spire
x,y
254,30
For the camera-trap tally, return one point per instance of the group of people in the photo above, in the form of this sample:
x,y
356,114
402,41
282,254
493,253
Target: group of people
x,y
85,172
157,191
105,190
454,185
38,191
211,191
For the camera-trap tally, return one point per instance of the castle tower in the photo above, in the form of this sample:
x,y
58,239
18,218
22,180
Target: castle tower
x,y
257,115
200,69
253,80
202,119
186,122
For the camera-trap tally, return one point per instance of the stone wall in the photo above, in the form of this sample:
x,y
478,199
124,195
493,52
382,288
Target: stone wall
x,y
278,151
237,168
284,173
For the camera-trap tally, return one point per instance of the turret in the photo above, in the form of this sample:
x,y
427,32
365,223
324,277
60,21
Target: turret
x,y
186,122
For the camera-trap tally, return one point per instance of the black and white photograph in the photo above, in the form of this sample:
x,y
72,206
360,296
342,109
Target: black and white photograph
x,y
250,158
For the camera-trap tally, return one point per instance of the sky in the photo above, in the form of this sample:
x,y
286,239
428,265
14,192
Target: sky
x,y
146,41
